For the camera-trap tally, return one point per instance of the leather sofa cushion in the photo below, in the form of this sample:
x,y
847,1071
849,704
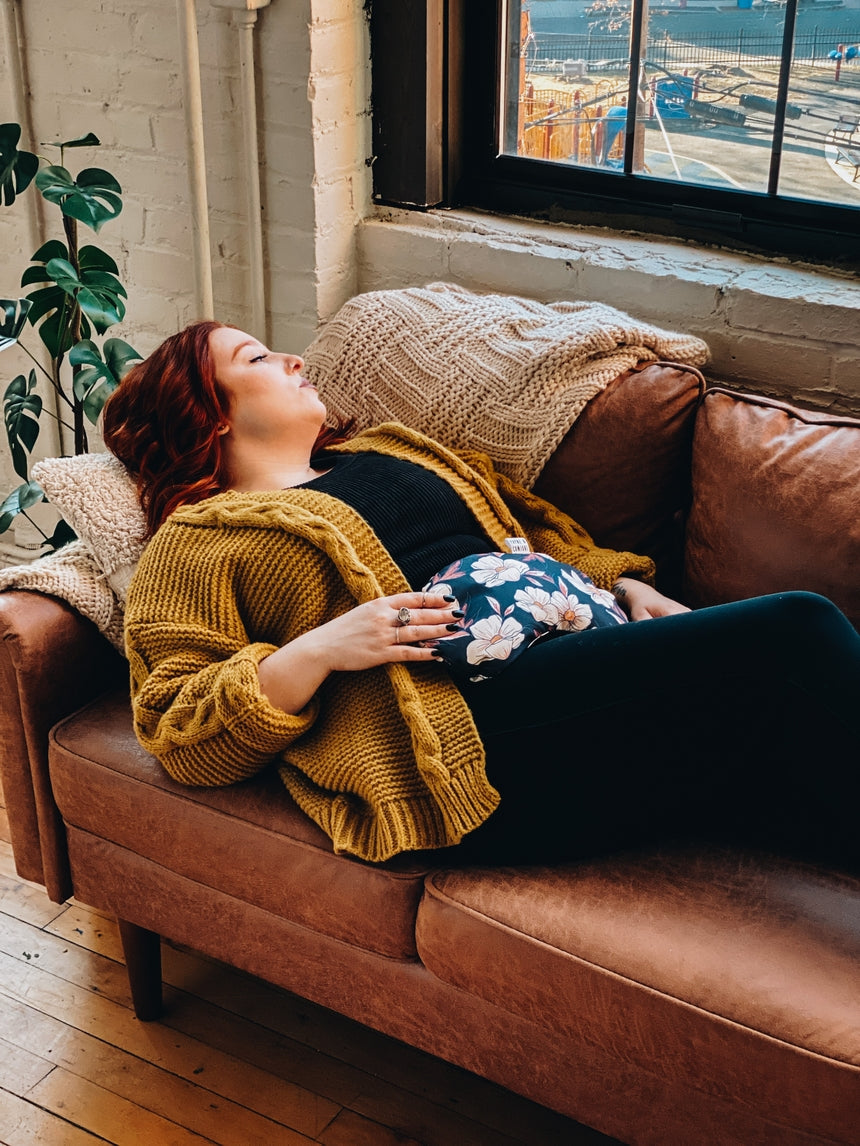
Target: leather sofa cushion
x,y
248,840
776,503
623,470
739,973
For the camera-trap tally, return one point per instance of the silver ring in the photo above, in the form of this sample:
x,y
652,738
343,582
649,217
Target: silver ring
x,y
404,616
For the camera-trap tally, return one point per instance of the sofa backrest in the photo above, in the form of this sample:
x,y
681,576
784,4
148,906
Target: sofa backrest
x,y
623,470
776,502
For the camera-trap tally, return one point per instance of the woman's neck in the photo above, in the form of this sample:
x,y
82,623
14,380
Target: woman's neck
x,y
261,469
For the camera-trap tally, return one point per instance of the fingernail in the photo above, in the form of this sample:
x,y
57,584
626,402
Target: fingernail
x,y
452,628
435,652
457,613
449,597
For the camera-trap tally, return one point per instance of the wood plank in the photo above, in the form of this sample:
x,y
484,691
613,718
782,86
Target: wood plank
x,y
350,1129
104,1019
24,1124
110,1117
19,1069
19,897
64,959
187,1104
4,823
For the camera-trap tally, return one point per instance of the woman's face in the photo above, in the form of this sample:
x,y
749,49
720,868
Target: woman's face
x,y
268,396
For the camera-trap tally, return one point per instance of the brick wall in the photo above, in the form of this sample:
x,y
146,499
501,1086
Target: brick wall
x,y
114,68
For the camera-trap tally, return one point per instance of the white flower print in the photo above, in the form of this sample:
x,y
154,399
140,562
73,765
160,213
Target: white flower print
x,y
494,639
496,569
576,580
442,589
605,598
537,603
573,615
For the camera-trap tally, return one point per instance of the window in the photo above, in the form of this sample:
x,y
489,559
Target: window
x,y
728,121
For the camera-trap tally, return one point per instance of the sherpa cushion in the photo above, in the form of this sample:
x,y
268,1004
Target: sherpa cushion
x,y
98,498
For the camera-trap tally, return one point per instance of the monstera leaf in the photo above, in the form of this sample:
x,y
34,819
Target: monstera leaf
x,y
21,410
93,287
30,493
14,312
99,377
17,168
93,198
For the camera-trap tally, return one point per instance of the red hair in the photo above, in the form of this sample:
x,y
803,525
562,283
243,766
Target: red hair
x,y
162,423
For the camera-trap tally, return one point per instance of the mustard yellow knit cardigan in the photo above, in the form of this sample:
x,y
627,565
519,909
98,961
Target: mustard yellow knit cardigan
x,y
386,760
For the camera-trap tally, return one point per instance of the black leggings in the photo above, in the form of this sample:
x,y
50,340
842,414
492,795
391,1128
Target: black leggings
x,y
736,723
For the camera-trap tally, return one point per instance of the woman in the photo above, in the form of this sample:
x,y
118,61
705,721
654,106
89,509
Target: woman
x,y
277,612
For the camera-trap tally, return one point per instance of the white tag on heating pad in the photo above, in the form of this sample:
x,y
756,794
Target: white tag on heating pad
x,y
517,545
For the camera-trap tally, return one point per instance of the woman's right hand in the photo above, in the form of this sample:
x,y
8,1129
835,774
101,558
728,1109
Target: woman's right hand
x,y
369,635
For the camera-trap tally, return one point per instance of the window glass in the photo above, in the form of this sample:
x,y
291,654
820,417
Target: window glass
x,y
748,95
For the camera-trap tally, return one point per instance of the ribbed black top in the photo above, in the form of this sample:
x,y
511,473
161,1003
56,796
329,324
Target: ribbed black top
x,y
415,514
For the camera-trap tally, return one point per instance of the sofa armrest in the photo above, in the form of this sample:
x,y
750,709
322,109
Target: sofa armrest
x,y
52,662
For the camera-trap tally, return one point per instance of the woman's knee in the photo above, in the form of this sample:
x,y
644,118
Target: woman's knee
x,y
800,610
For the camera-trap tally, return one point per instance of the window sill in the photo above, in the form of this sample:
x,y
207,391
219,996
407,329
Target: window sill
x,y
782,328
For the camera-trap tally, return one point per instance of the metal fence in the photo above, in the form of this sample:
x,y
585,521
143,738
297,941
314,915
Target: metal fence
x,y
548,51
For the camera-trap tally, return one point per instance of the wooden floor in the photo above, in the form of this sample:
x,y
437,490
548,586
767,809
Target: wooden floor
x,y
235,1061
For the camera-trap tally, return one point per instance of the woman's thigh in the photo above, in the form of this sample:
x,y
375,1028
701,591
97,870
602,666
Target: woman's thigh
x,y
731,721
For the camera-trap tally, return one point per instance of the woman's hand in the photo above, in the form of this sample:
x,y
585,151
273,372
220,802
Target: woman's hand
x,y
642,602
369,635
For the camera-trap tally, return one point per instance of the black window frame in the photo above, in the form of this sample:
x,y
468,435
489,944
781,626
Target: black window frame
x,y
436,74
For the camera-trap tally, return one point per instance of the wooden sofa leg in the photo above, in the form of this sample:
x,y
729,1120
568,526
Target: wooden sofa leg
x,y
142,950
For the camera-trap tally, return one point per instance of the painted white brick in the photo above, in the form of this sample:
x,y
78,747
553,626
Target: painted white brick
x,y
783,366
85,73
495,265
45,28
390,257
795,302
170,271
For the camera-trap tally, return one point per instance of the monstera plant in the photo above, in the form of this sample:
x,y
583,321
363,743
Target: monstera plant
x,y
75,296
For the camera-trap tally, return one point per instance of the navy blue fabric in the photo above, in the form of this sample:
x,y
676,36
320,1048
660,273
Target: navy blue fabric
x,y
735,723
510,602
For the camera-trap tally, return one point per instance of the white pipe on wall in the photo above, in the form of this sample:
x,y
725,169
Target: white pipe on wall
x,y
21,107
244,20
193,101
21,114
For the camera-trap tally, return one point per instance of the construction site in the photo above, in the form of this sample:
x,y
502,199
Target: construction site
x,y
705,110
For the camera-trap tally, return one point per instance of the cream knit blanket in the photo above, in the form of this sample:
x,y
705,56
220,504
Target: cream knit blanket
x,y
504,375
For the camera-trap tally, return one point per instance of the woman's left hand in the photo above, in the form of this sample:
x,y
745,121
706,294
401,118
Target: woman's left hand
x,y
643,602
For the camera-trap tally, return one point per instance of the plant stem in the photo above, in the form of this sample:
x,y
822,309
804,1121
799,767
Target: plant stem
x,y
49,376
35,526
70,226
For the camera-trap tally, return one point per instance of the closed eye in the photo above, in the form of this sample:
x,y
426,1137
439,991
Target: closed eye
x,y
259,358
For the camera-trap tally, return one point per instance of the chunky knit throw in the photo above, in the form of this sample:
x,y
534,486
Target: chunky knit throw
x,y
504,375
386,760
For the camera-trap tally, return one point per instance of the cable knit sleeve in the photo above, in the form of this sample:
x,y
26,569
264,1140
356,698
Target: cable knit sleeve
x,y
197,702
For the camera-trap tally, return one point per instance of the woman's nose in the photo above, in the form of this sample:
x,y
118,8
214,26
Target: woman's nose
x,y
294,363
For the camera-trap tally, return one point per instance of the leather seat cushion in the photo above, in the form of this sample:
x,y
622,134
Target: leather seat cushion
x,y
776,492
249,840
739,972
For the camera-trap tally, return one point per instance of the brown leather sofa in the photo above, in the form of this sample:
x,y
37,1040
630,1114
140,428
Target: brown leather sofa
x,y
690,995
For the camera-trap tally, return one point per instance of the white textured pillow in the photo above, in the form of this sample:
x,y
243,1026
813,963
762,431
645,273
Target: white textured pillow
x,y
98,498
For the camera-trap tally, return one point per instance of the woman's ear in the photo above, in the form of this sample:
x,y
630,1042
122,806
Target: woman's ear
x,y
223,429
